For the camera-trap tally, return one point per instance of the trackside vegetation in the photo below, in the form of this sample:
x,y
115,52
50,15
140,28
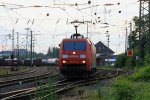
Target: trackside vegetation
x,y
44,92
132,87
135,86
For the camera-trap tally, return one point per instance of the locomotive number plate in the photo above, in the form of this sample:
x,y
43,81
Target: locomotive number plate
x,y
73,56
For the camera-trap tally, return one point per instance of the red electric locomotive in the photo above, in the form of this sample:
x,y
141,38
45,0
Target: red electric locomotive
x,y
77,57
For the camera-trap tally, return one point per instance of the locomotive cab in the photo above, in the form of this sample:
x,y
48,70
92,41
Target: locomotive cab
x,y
77,56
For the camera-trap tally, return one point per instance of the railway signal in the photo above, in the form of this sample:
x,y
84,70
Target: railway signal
x,y
129,52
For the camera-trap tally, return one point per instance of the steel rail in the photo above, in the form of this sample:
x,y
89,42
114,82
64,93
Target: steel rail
x,y
61,89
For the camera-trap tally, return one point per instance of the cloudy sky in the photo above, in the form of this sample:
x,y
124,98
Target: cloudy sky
x,y
50,21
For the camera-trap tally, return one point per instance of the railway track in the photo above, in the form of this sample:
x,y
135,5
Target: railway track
x,y
20,84
19,73
30,76
23,93
23,80
61,86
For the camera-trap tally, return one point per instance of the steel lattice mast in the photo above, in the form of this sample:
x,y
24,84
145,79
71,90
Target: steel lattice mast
x,y
144,26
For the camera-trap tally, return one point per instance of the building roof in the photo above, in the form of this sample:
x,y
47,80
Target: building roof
x,y
21,52
6,52
103,49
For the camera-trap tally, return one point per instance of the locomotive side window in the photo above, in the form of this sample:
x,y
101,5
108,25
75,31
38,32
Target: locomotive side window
x,y
74,45
80,45
68,45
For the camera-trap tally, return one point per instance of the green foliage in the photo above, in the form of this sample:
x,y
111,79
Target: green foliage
x,y
103,93
131,61
49,51
142,75
40,55
44,92
134,43
134,87
107,93
132,40
124,89
3,71
142,91
5,57
127,61
120,89
147,60
120,61
94,95
54,53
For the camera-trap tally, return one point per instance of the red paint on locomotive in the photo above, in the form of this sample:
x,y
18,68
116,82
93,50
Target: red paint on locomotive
x,y
78,54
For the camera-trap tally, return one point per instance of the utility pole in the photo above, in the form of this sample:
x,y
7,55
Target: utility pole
x,y
132,44
27,41
18,49
12,54
87,26
149,26
12,44
33,46
126,39
2,51
107,35
31,49
130,28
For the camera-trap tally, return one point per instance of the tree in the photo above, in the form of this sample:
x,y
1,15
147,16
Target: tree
x,y
55,52
49,51
40,55
133,40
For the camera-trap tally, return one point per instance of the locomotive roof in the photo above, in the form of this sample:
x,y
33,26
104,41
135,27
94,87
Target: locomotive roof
x,y
78,39
72,39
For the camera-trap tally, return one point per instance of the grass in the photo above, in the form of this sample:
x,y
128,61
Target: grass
x,y
5,71
122,91
135,87
40,92
143,91
142,75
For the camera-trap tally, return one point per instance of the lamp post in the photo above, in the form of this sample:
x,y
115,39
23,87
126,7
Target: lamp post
x,y
31,49
107,35
18,49
27,41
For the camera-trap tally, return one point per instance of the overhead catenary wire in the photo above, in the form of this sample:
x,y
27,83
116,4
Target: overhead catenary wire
x,y
65,5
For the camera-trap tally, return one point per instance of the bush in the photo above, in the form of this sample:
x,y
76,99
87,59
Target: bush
x,y
43,92
147,59
131,61
142,75
120,61
143,91
94,95
124,89
103,93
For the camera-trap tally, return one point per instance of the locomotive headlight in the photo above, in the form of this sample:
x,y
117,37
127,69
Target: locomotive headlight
x,y
64,56
64,61
83,62
82,56
74,53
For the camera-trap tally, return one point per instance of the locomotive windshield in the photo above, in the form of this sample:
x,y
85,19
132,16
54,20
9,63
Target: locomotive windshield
x,y
74,45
